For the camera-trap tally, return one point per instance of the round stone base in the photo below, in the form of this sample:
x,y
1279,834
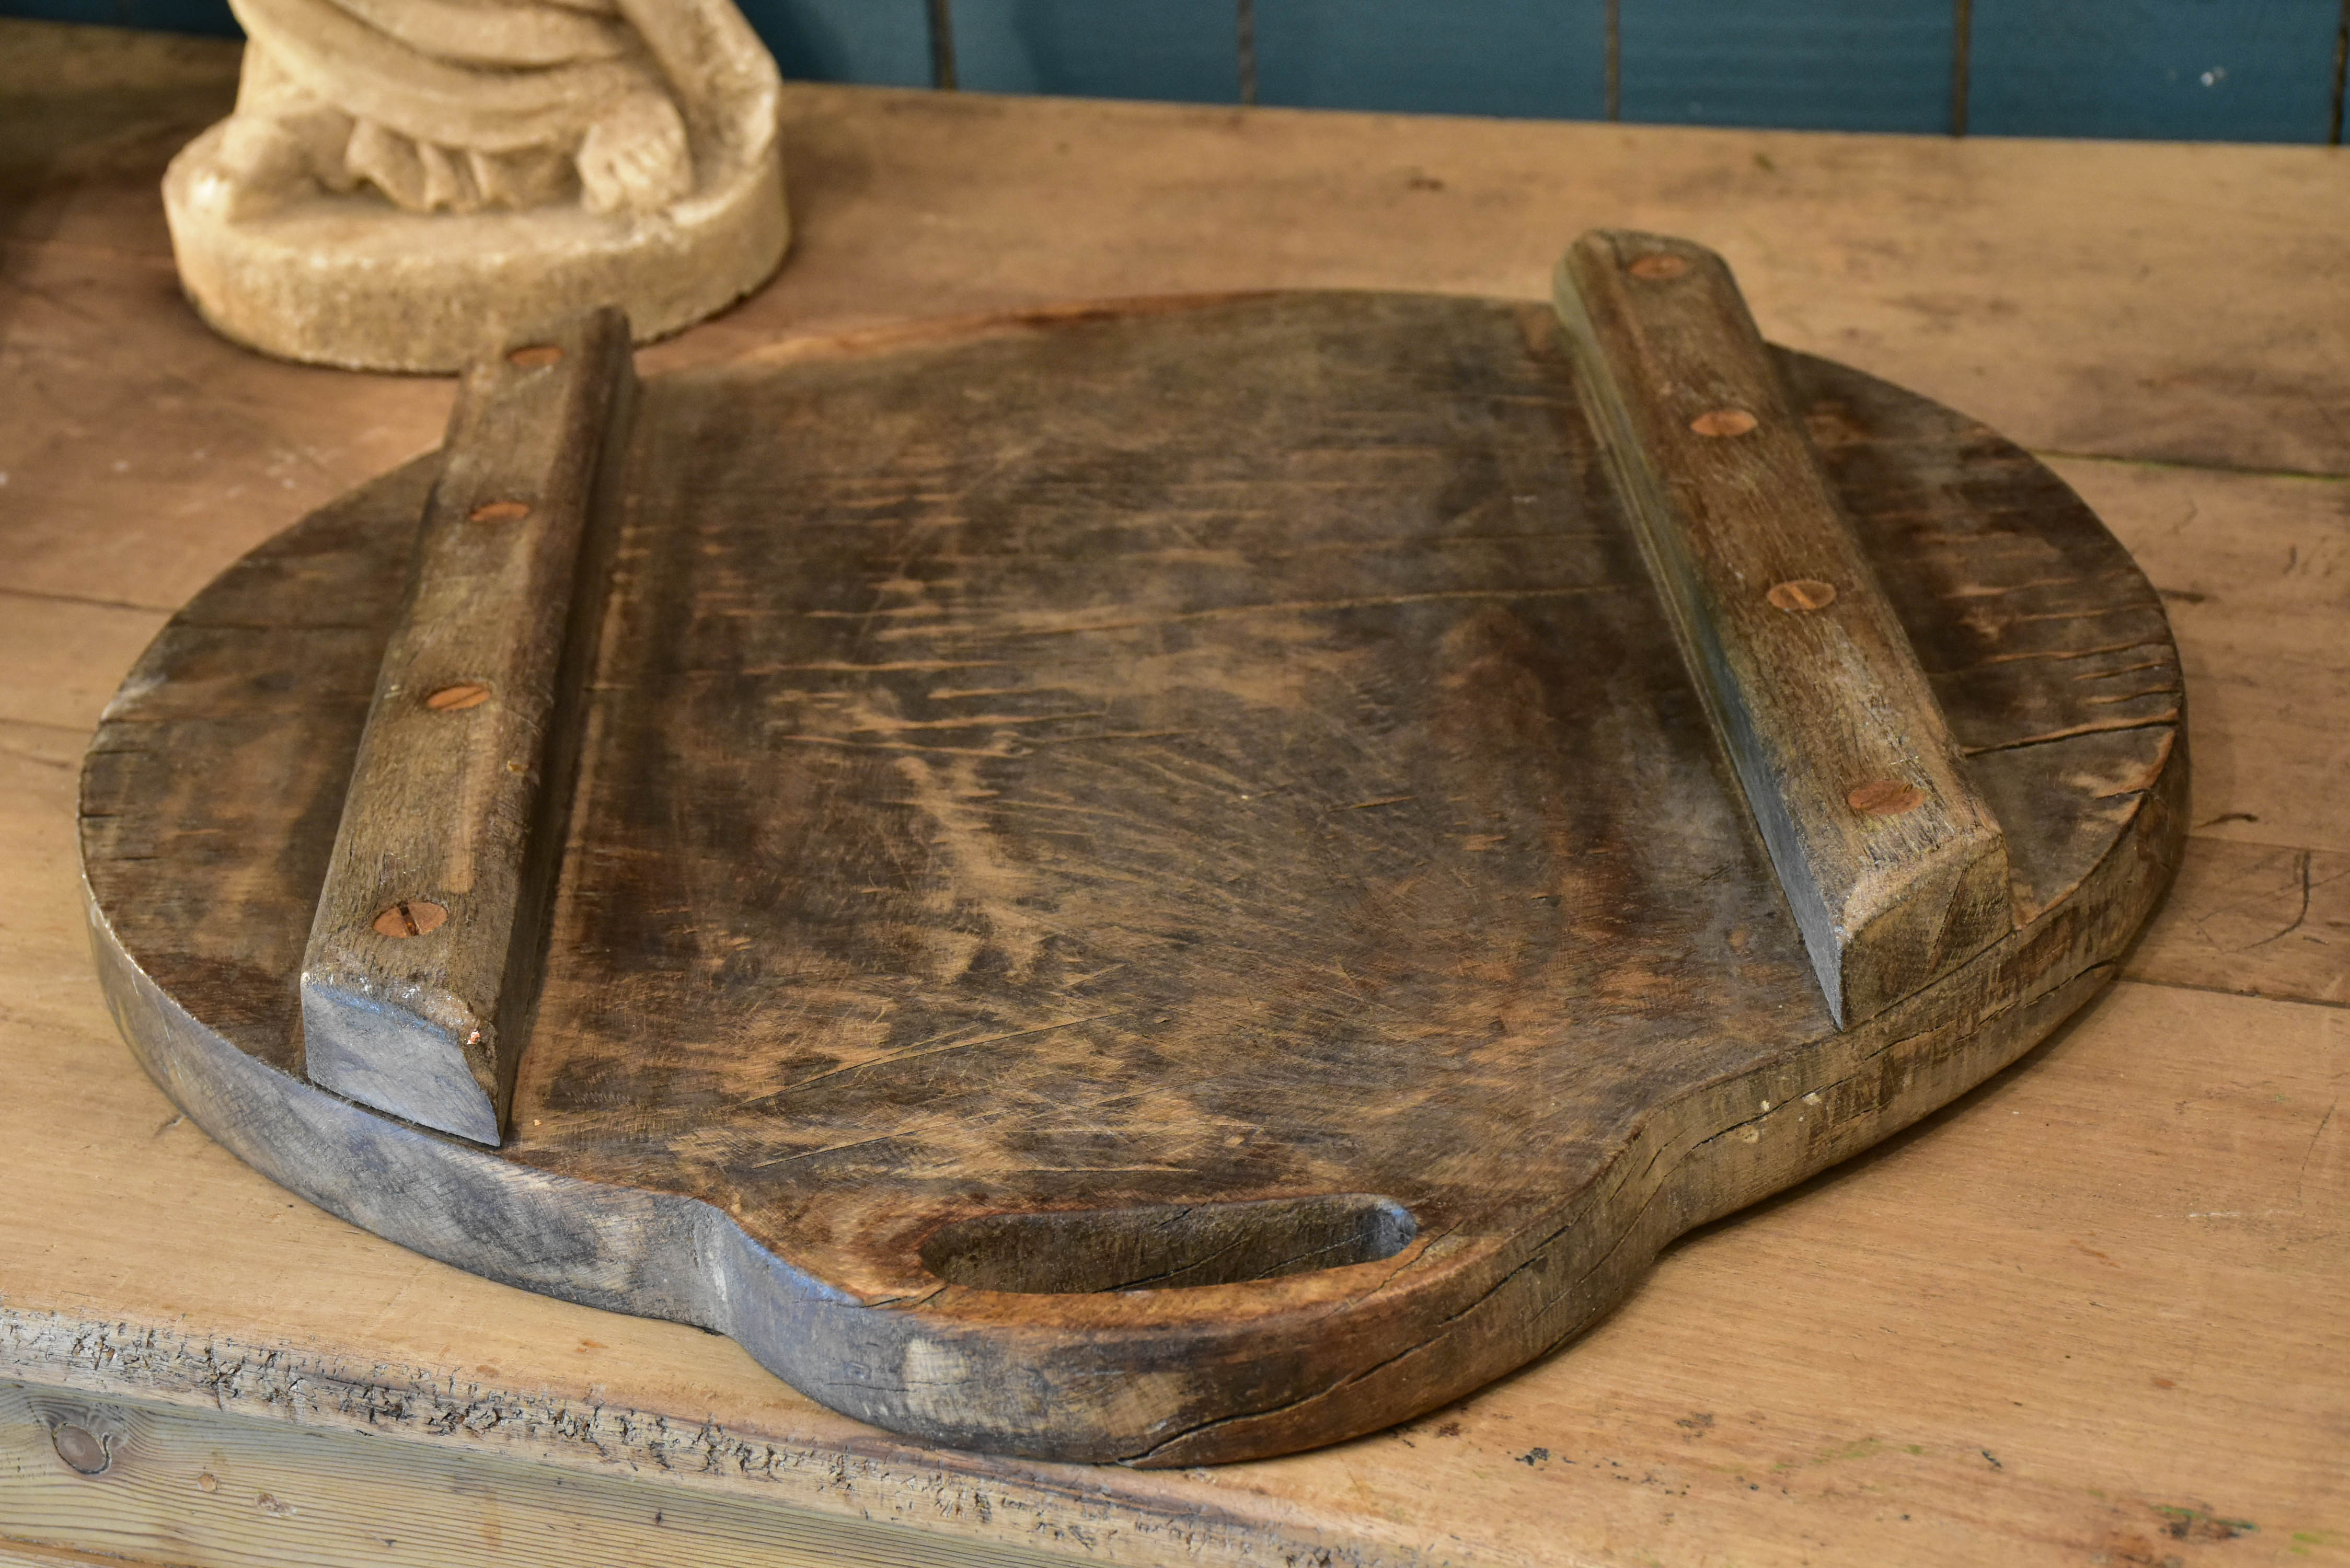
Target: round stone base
x,y
357,282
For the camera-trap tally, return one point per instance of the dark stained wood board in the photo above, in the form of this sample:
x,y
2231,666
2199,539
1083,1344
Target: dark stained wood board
x,y
1147,758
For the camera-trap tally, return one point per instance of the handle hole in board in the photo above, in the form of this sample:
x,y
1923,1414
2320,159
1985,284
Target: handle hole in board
x,y
1167,1246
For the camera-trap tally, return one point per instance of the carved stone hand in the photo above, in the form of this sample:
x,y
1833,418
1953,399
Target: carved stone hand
x,y
634,157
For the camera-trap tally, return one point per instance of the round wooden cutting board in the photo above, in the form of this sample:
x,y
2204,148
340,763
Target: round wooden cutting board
x,y
1153,883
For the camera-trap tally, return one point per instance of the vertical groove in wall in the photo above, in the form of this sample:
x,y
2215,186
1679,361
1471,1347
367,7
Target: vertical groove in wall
x,y
1616,59
1963,39
943,62
2341,69
1244,46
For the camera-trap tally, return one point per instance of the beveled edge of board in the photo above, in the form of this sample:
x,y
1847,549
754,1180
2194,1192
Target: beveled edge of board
x,y
1708,1152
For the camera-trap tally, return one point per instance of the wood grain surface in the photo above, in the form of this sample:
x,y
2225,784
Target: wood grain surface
x,y
1148,883
2113,1269
181,1486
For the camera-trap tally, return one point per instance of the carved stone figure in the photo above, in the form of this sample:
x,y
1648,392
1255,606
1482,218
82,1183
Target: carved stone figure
x,y
401,176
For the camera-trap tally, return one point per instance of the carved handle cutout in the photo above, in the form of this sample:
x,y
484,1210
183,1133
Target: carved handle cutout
x,y
1167,1246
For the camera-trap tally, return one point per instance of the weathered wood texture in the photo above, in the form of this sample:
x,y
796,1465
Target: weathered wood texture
x,y
154,1483
2257,920
2109,1268
422,966
2252,571
1199,794
1891,863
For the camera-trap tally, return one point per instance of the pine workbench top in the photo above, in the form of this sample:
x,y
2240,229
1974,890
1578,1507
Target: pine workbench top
x,y
2098,1310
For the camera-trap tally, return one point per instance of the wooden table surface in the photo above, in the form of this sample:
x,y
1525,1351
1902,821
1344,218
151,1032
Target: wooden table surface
x,y
2097,1312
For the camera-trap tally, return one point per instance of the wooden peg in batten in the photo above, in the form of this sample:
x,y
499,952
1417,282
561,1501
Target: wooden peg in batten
x,y
1894,867
423,960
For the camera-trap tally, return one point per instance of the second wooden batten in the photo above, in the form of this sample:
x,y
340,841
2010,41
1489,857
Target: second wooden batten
x,y
424,959
1892,864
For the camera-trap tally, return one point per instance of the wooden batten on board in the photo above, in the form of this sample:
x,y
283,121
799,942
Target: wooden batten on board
x,y
422,968
1889,858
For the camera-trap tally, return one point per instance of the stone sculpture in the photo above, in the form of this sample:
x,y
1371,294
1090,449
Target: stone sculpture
x,y
401,176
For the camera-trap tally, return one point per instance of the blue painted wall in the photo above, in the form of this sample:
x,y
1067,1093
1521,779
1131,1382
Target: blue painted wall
x,y
1435,56
886,43
1819,64
1177,49
2237,70
162,16
2252,70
